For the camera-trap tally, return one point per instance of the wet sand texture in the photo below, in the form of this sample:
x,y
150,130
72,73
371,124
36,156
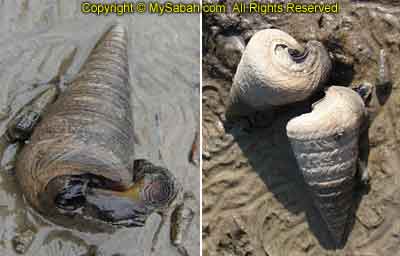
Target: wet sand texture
x,y
41,39
255,201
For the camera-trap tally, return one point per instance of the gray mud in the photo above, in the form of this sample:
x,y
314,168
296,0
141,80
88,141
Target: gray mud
x,y
41,40
254,199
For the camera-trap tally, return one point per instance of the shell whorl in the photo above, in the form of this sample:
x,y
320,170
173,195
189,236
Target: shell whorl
x,y
341,110
268,75
325,144
160,186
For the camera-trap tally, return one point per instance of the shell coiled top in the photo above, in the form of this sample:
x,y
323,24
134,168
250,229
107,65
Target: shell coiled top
x,y
268,74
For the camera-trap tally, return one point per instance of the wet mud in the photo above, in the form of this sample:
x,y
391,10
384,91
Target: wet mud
x,y
255,201
46,41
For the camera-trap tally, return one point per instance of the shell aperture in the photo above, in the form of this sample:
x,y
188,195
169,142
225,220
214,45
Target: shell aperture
x,y
276,70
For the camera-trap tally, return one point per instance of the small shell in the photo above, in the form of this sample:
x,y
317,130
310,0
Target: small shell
x,y
270,75
325,144
181,219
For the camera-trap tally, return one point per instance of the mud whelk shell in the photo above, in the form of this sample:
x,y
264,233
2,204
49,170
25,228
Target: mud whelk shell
x,y
88,130
276,70
325,144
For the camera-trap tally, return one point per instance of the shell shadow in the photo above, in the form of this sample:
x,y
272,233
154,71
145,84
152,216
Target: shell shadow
x,y
383,92
269,153
342,73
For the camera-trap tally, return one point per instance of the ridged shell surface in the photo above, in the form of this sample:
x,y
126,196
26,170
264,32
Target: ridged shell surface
x,y
89,129
268,75
325,144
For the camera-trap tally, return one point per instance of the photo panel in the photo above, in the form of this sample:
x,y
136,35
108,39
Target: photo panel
x,y
100,129
299,126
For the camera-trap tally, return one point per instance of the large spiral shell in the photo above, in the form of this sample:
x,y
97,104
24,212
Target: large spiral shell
x,y
89,129
325,144
269,74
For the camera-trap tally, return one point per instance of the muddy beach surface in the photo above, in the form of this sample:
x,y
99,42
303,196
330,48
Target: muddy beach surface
x,y
254,198
43,40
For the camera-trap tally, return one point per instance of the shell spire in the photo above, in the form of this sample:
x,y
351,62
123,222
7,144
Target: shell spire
x,y
325,144
276,70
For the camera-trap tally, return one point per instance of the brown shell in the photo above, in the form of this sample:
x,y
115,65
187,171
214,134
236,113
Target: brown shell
x,y
89,128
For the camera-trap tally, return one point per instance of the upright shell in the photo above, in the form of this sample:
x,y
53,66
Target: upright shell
x,y
325,144
276,70
88,130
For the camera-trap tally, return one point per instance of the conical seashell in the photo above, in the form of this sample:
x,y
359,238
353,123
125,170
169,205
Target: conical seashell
x,y
276,70
325,144
88,130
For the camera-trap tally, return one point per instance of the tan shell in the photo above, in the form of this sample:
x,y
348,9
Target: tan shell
x,y
267,75
325,144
